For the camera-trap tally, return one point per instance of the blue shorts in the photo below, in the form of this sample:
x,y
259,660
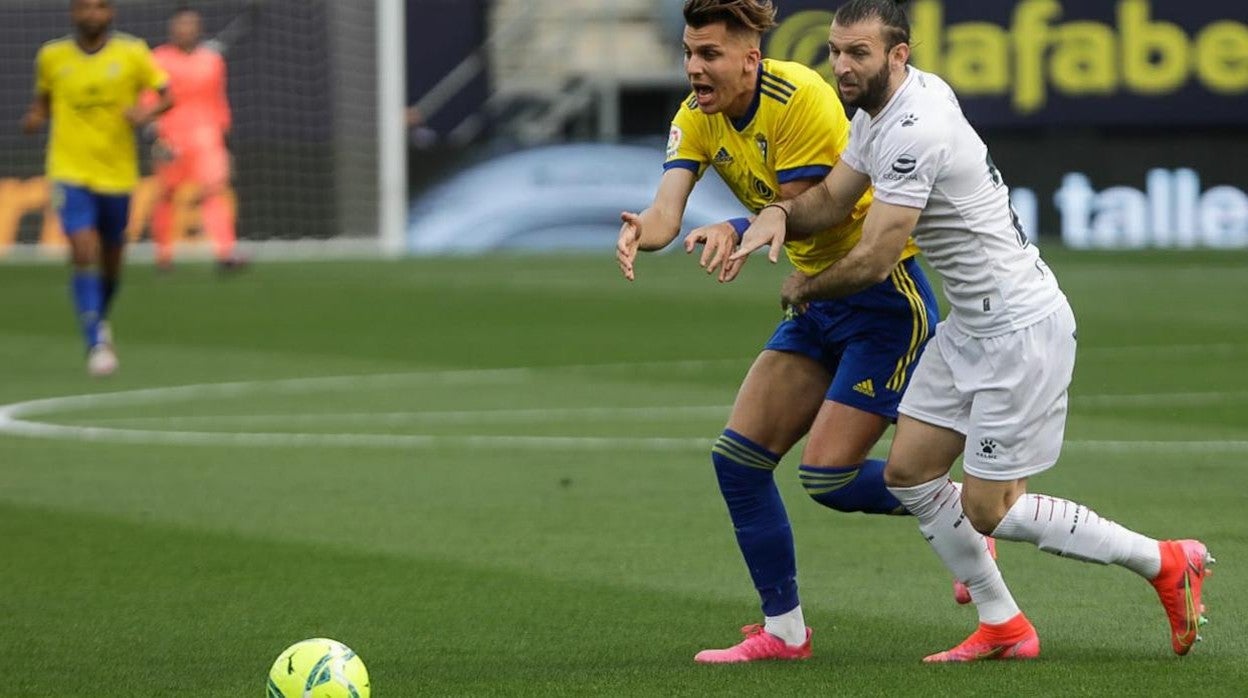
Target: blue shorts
x,y
82,209
870,342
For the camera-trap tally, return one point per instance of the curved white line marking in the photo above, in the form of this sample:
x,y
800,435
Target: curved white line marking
x,y
13,417
265,439
435,417
523,415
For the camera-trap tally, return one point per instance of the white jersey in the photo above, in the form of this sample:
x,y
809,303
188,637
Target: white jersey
x,y
920,151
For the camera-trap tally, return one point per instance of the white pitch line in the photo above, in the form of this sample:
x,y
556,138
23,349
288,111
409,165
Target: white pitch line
x,y
1167,351
428,441
436,417
1117,446
12,416
368,381
349,382
1158,400
286,440
197,391
550,443
1170,447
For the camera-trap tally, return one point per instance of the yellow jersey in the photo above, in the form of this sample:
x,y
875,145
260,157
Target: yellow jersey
x,y
795,129
90,143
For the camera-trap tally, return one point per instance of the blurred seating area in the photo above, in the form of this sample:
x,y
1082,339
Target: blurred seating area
x,y
558,68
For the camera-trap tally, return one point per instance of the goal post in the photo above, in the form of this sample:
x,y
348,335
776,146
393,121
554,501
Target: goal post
x,y
319,140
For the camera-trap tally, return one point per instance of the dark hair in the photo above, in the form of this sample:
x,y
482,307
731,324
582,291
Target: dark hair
x,y
889,12
183,9
753,16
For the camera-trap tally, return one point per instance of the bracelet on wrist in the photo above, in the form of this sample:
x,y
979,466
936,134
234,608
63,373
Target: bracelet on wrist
x,y
783,210
739,225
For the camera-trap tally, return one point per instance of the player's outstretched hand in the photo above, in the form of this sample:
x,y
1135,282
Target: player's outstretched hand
x,y
767,229
718,241
626,246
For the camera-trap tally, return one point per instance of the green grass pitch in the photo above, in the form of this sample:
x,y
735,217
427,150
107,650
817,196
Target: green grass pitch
x,y
490,477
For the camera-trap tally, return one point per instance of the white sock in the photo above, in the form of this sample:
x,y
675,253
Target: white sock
x,y
1072,530
790,627
938,507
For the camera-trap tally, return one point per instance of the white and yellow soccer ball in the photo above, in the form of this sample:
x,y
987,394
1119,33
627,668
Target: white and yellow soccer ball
x,y
318,668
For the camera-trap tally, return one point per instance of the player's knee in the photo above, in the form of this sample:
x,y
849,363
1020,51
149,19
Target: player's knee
x,y
838,499
855,488
741,465
986,503
896,475
985,514
84,251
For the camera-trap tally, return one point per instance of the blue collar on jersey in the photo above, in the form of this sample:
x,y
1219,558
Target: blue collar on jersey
x,y
746,118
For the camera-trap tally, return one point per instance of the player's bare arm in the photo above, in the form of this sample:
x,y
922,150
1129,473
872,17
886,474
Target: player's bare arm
x,y
655,227
37,115
140,115
719,240
884,236
820,207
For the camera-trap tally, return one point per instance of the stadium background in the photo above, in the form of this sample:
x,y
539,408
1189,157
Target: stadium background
x,y
487,472
1145,100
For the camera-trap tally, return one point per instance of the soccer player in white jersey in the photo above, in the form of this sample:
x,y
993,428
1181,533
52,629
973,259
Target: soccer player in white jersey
x,y
992,385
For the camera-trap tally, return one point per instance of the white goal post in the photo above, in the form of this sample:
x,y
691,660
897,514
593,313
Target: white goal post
x,y
319,140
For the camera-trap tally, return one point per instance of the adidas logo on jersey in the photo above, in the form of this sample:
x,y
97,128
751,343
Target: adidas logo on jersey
x,y
723,157
866,387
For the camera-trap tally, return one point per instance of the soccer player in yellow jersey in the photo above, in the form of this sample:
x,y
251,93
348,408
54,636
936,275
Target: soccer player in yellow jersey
x,y
835,370
88,84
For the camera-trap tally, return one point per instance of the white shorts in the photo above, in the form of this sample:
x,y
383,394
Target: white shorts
x,y
1007,394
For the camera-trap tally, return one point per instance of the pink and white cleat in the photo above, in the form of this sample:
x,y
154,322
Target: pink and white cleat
x,y
758,645
1014,639
1184,566
961,593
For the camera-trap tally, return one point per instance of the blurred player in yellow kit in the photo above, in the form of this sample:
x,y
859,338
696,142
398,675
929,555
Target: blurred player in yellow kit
x,y
88,84
836,371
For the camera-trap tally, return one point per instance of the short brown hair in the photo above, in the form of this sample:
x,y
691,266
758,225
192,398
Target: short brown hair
x,y
889,12
752,16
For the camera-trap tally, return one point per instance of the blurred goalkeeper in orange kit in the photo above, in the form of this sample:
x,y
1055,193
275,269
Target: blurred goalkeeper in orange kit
x,y
190,155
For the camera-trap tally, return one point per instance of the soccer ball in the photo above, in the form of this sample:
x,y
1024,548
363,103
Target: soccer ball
x,y
318,668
